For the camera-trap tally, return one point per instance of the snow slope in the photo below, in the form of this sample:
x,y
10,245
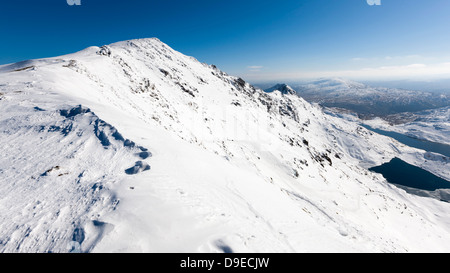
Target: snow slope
x,y
134,147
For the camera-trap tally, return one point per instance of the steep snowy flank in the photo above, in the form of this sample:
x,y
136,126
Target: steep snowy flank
x,y
135,147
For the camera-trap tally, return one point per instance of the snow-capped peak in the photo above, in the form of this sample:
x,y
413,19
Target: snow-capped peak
x,y
283,88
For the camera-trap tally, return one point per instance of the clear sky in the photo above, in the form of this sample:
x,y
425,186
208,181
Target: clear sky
x,y
258,40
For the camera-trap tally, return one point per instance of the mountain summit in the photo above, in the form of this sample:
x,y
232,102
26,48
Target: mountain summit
x,y
135,147
283,88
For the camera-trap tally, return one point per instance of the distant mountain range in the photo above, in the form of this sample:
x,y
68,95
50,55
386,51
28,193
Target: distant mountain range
x,y
367,101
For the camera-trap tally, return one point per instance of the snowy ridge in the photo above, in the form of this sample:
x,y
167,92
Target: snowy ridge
x,y
232,168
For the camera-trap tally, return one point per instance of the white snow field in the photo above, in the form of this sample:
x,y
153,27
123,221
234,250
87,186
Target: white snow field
x,y
134,147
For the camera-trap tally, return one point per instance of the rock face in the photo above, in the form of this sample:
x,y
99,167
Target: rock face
x,y
233,168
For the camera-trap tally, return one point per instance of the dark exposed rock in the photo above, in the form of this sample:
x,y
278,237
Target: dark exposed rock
x,y
104,51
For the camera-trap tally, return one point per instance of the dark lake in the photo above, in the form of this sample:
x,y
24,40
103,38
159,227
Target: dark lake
x,y
399,172
402,173
435,147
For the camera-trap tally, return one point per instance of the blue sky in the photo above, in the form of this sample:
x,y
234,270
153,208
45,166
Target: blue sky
x,y
258,40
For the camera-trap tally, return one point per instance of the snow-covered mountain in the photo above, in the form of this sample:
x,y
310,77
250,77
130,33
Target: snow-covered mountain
x,y
369,101
283,88
135,147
